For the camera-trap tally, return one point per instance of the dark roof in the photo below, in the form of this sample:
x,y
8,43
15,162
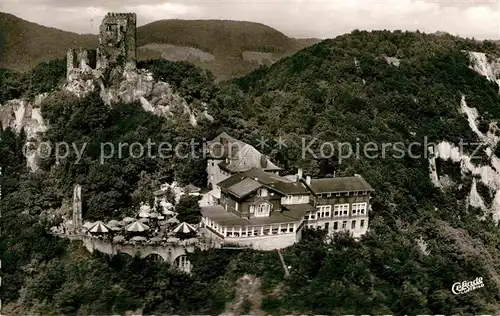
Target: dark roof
x,y
340,184
244,183
293,213
244,187
291,188
223,146
223,217
276,182
229,182
298,210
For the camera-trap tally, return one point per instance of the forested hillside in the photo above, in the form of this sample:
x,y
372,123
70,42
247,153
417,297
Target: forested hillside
x,y
422,239
23,44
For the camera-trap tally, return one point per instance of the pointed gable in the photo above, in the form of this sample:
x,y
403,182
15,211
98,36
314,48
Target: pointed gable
x,y
240,155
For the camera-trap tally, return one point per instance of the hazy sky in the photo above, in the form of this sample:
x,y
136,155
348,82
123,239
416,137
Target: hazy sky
x,y
299,18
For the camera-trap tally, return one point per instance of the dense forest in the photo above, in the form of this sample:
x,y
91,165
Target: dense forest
x,y
339,90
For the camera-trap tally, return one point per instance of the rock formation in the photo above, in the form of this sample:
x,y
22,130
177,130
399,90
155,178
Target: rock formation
x,y
111,70
489,174
115,74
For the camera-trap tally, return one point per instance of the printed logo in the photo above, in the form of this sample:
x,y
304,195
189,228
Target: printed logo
x,y
467,286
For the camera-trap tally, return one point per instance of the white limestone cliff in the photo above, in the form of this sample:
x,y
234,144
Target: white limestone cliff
x,y
474,199
472,116
487,66
21,115
393,61
156,97
488,174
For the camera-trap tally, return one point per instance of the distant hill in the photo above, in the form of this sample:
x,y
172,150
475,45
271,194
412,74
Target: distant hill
x,y
227,48
24,44
218,37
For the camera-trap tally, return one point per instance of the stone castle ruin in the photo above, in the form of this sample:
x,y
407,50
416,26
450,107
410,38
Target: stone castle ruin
x,y
116,50
77,209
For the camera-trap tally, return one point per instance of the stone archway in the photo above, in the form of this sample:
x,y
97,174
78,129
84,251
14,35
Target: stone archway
x,y
182,263
121,258
154,257
122,254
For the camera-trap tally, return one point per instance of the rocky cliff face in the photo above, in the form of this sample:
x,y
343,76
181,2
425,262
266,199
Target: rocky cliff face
x,y
486,65
21,115
156,97
489,173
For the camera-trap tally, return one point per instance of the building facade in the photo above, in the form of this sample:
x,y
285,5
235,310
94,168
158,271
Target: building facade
x,y
258,209
265,211
228,156
342,204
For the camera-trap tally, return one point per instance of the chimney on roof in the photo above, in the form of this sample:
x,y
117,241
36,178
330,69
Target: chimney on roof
x,y
308,180
263,161
299,173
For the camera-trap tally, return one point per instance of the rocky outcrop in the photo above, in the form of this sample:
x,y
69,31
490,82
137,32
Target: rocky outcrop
x,y
21,115
156,97
488,174
486,65
474,199
393,61
139,85
490,138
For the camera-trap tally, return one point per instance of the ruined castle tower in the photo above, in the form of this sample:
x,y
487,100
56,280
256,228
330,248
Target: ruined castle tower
x,y
115,52
79,62
117,41
77,209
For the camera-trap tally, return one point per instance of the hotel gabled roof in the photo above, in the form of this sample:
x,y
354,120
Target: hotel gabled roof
x,y
241,156
340,184
242,184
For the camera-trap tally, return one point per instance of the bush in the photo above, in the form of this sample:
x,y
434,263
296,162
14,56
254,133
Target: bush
x,y
189,209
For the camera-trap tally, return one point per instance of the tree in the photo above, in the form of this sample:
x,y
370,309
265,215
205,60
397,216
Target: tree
x,y
188,209
145,188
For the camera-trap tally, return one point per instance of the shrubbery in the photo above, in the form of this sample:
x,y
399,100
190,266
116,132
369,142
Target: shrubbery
x,y
319,92
43,78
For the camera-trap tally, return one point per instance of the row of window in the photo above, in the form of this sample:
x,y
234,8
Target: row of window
x,y
344,225
255,231
347,193
299,198
339,210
